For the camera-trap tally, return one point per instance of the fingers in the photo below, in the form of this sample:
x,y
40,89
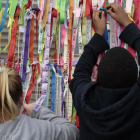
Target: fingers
x,y
97,14
111,5
109,12
113,10
25,105
93,15
103,15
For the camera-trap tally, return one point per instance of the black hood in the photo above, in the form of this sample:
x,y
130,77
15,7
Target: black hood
x,y
111,112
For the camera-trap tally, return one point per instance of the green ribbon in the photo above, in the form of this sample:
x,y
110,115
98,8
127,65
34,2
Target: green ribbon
x,y
56,31
62,11
73,116
22,11
133,9
75,23
28,62
106,5
10,3
0,4
13,8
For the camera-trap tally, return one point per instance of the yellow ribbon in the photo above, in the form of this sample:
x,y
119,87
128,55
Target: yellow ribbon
x,y
128,14
22,15
45,14
93,32
57,6
10,23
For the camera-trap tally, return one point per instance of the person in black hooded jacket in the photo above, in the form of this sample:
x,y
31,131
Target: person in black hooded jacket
x,y
108,109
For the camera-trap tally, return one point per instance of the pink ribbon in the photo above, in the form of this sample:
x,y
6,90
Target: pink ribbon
x,y
63,33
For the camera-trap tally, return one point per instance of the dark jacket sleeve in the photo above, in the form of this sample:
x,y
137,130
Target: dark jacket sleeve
x,y
83,70
131,36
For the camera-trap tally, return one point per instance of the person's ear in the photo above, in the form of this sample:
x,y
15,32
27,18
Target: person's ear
x,y
21,100
97,80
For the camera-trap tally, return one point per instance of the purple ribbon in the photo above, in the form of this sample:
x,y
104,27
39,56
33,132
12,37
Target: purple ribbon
x,y
51,64
75,62
3,58
26,50
36,9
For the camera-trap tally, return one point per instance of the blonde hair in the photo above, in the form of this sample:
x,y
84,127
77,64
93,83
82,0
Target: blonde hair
x,y
10,93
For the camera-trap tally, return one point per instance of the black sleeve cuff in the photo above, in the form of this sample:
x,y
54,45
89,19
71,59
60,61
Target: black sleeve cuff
x,y
130,34
98,44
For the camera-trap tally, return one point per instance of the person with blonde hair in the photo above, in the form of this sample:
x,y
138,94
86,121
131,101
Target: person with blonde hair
x,y
43,125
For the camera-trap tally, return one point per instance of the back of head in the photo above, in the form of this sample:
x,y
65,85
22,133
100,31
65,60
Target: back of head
x,y
10,93
117,69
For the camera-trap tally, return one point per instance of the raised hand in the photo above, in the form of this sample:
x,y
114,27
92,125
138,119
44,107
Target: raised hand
x,y
99,22
29,108
118,14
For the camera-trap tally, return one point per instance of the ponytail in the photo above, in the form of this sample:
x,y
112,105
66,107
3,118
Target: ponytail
x,y
10,93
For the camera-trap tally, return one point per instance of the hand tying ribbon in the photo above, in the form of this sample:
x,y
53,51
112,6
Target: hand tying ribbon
x,y
106,31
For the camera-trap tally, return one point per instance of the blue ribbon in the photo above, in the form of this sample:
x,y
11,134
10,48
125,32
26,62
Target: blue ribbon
x,y
4,16
53,91
44,3
65,22
60,73
106,36
59,2
106,31
102,9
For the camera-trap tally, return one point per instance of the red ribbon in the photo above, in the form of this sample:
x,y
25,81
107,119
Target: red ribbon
x,y
136,12
31,87
104,3
136,19
80,2
77,121
29,4
13,39
38,67
31,46
54,15
88,8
